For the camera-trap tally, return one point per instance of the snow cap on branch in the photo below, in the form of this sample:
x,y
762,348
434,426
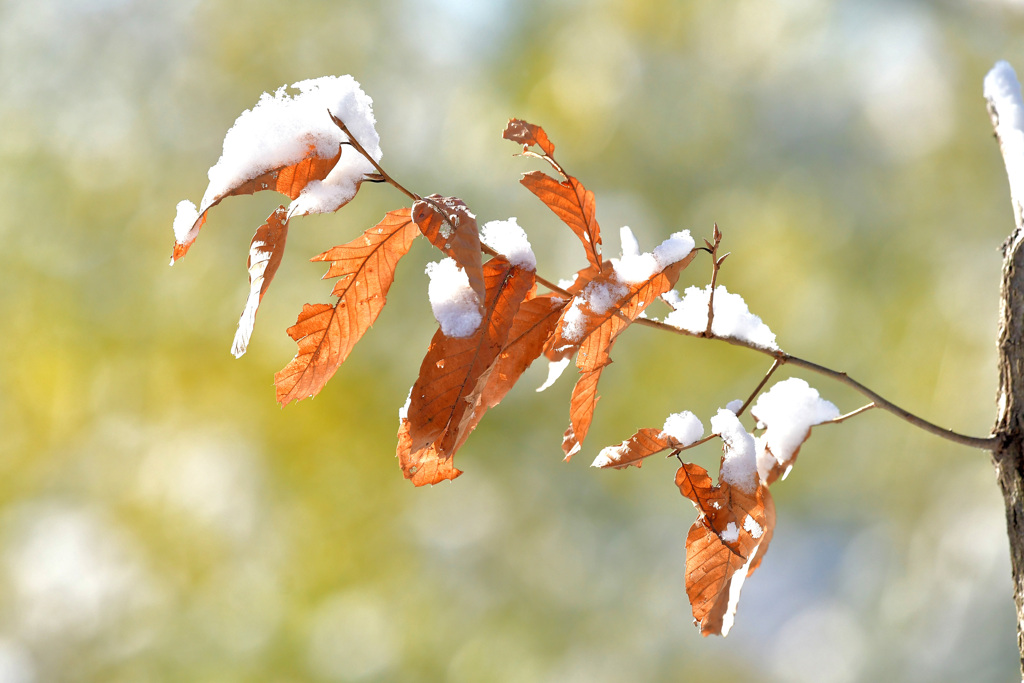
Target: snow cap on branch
x,y
455,304
684,427
739,463
1002,91
635,267
509,240
789,409
732,317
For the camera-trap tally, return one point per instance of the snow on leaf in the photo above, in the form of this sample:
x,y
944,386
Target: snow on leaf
x,y
454,232
455,370
609,306
265,252
572,203
528,135
325,333
291,144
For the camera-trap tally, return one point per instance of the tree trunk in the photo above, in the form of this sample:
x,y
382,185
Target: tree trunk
x,y
1006,109
1008,456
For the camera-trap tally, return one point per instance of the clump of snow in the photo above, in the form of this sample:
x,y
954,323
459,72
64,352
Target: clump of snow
x,y
752,527
734,406
732,317
602,295
789,409
685,428
635,267
730,534
509,240
555,369
455,304
574,321
186,216
1002,90
739,464
280,130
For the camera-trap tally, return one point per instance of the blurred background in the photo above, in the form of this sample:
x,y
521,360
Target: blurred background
x,y
164,520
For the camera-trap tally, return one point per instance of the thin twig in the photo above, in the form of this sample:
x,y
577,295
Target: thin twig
x,y
987,443
852,413
362,150
760,386
715,265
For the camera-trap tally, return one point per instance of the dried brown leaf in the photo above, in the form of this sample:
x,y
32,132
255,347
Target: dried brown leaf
x,y
325,333
645,443
528,135
724,545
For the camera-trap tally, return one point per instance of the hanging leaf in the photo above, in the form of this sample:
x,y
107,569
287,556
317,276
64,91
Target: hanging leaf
x,y
265,252
456,369
325,333
724,545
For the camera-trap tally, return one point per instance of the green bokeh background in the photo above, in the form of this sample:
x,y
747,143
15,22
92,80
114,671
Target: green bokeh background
x,y
164,520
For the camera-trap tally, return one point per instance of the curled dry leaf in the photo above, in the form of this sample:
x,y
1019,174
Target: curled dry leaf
x,y
325,333
288,180
724,545
265,252
453,376
528,135
454,232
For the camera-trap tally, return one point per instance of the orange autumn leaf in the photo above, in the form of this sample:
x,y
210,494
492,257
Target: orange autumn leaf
x,y
425,465
455,371
572,203
530,329
289,180
528,135
581,411
325,333
600,329
454,232
265,252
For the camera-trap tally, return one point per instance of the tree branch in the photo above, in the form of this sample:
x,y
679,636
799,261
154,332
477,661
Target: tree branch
x,y
985,443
